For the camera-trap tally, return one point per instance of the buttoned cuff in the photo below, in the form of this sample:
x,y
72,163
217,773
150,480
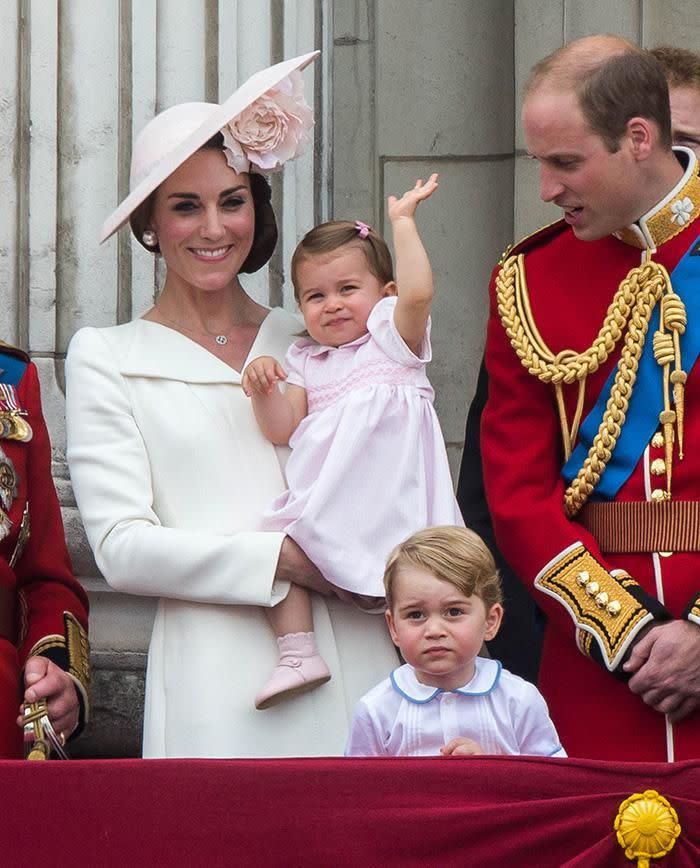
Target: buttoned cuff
x,y
608,608
71,653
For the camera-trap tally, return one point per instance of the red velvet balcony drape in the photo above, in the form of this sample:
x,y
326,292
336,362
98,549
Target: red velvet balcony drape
x,y
333,812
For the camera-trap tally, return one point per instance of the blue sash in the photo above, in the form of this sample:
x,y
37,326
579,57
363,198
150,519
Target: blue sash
x,y
11,369
642,417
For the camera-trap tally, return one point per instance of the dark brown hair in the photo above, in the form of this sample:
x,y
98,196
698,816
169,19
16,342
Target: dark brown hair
x,y
331,236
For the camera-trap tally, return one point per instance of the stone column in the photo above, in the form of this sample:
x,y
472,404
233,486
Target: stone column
x,y
420,87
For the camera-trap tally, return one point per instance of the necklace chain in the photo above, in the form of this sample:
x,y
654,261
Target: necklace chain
x,y
221,339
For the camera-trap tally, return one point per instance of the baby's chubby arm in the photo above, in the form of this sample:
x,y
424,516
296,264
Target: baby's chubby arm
x,y
414,277
277,413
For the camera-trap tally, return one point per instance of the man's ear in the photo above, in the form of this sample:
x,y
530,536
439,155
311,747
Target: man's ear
x,y
389,289
642,135
493,621
392,630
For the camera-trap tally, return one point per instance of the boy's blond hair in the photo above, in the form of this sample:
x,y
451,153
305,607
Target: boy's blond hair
x,y
454,554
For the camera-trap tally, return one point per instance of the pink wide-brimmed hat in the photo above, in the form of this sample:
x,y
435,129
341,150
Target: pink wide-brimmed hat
x,y
264,123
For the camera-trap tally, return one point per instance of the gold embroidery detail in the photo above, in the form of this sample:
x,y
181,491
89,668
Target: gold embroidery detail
x,y
78,649
665,224
657,441
611,627
659,494
584,641
47,643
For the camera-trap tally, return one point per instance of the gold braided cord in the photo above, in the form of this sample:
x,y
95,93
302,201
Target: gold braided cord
x,y
629,312
608,433
567,366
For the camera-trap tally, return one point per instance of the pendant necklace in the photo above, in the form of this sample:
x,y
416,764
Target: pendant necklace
x,y
220,339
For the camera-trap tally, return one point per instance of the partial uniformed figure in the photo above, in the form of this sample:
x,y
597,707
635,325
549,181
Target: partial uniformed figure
x,y
518,644
43,609
593,412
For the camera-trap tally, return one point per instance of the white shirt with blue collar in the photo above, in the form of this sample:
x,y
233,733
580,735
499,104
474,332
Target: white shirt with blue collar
x,y
502,712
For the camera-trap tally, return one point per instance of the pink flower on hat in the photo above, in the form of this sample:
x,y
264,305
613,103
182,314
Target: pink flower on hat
x,y
271,130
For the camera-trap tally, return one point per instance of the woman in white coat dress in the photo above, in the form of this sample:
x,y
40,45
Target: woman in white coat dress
x,y
169,468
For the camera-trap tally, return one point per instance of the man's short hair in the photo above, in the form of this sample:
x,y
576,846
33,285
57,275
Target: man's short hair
x,y
681,67
614,81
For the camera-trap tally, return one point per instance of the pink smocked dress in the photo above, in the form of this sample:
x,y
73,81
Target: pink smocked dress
x,y
368,465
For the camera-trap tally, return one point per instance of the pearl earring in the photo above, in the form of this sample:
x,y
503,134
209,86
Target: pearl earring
x,y
149,238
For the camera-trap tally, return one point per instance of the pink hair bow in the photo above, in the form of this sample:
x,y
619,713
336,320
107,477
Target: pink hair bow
x,y
362,228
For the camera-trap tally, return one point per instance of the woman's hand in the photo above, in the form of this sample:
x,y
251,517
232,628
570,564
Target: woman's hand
x,y
294,566
44,680
261,376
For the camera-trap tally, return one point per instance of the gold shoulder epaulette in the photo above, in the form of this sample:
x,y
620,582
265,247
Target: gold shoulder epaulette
x,y
13,351
534,239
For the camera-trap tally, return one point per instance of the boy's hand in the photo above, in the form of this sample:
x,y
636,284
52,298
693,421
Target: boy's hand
x,y
461,747
261,375
407,204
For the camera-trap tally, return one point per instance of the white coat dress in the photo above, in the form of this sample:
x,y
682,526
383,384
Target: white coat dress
x,y
171,475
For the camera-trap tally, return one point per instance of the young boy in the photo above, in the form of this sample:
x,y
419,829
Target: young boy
x,y
444,600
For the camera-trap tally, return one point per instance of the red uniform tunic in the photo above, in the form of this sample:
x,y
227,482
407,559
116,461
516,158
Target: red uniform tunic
x,y
571,283
43,609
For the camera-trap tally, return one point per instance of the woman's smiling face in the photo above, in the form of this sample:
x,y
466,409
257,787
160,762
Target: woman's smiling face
x,y
204,217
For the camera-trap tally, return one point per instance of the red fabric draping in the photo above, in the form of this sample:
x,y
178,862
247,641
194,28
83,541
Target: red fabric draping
x,y
333,812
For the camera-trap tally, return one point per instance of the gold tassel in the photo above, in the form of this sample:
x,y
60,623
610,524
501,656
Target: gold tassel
x,y
675,319
667,419
678,378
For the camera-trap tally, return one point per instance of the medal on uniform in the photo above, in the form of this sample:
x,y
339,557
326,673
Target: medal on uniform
x,y
8,492
8,481
13,425
5,524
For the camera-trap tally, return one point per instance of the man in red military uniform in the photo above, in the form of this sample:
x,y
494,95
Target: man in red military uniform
x,y
593,406
43,609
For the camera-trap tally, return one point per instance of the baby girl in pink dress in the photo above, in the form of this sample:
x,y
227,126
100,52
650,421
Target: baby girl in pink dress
x,y
368,465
